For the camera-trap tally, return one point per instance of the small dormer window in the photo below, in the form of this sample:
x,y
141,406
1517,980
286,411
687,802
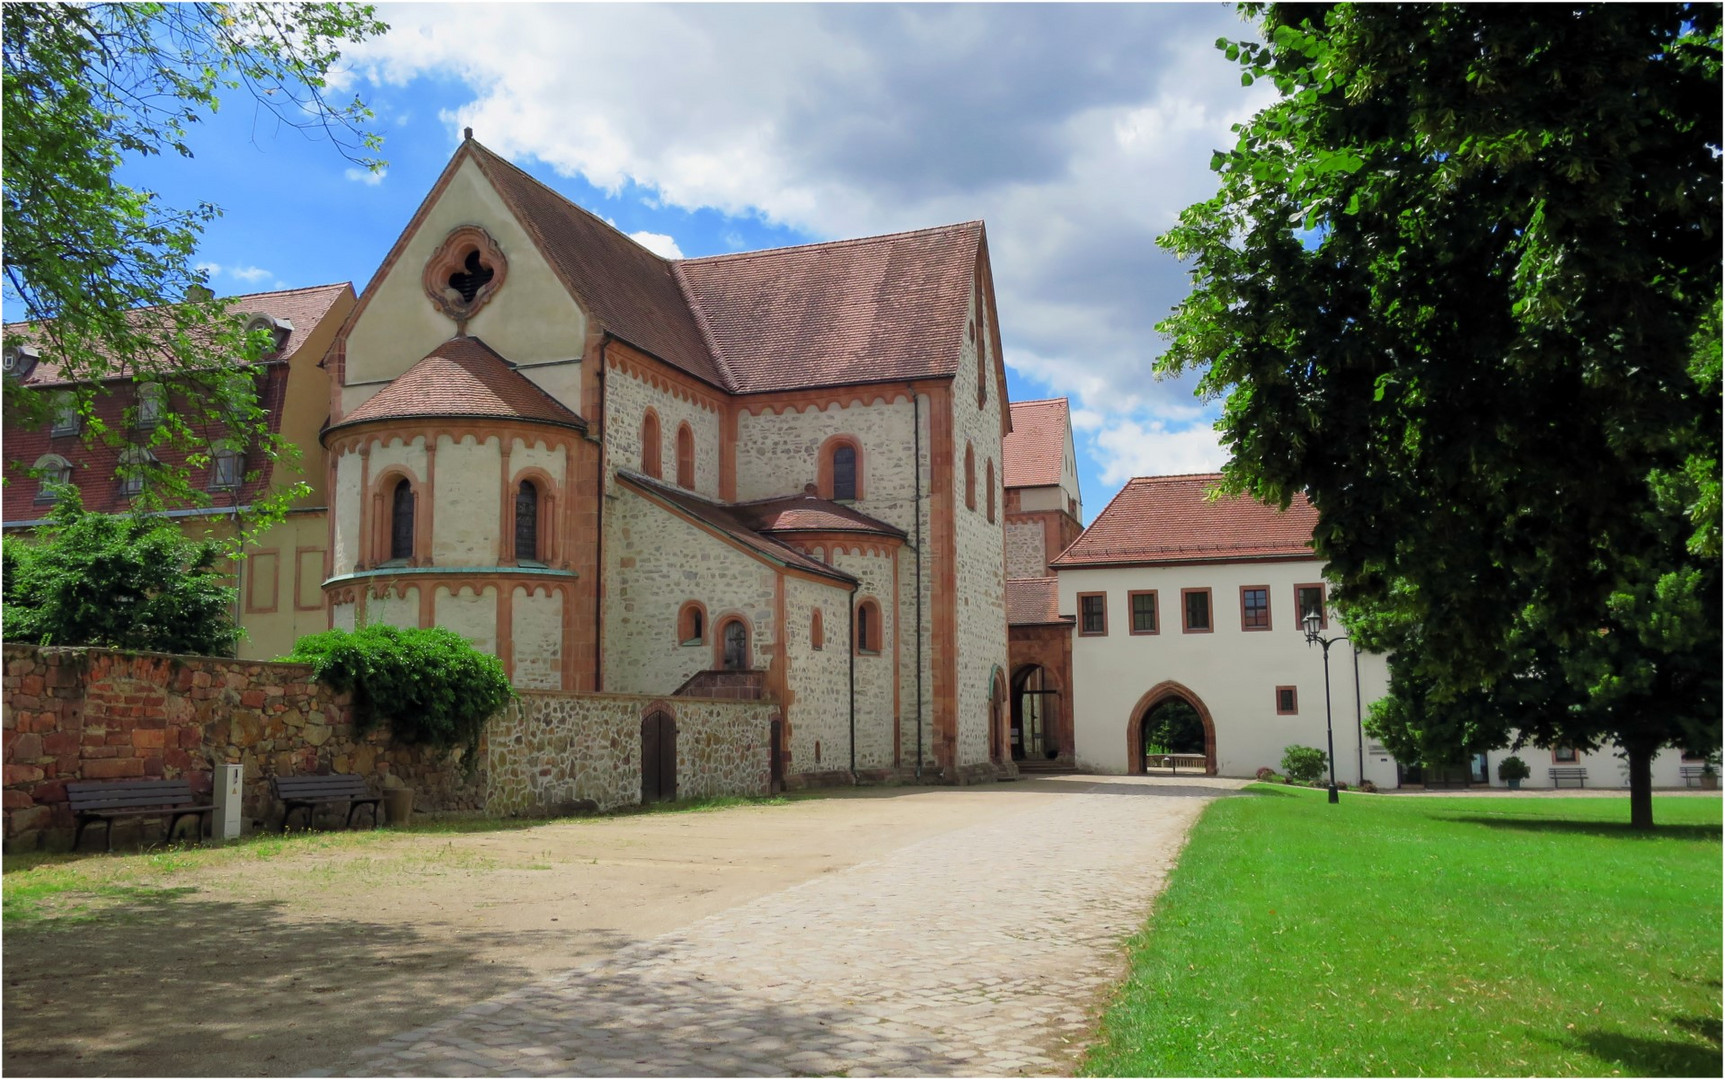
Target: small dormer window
x,y
134,465
227,467
51,469
21,361
65,415
151,398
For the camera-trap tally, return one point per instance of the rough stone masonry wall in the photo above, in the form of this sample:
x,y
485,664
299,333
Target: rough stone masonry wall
x,y
93,714
551,753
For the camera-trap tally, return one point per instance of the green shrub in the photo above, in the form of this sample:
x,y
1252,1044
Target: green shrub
x,y
1304,763
1513,768
433,687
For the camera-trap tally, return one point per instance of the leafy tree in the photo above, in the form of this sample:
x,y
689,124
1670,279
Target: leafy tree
x,y
433,687
103,272
1460,285
123,581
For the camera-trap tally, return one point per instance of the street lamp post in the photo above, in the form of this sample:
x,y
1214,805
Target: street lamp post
x,y
1311,623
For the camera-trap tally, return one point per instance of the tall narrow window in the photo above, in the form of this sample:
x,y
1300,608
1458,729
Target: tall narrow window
x,y
150,399
692,624
226,469
134,465
969,477
1196,607
650,447
990,477
65,415
685,457
736,641
1092,613
527,523
401,522
817,632
844,473
1309,600
1143,611
868,627
1255,607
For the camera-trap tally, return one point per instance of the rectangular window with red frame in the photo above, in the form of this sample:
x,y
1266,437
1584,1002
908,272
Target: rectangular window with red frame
x,y
1255,607
1093,613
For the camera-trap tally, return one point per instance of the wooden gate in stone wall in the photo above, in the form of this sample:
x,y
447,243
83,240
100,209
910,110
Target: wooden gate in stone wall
x,y
658,757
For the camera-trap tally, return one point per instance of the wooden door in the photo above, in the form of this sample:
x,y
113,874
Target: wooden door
x,y
658,757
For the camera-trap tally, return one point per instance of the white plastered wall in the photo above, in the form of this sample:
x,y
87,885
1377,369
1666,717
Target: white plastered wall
x,y
392,610
470,611
468,497
345,550
531,320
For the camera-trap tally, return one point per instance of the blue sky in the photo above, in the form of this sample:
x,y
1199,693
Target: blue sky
x,y
1076,132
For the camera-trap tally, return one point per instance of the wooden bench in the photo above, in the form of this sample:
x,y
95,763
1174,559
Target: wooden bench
x,y
105,800
1574,772
1692,774
310,792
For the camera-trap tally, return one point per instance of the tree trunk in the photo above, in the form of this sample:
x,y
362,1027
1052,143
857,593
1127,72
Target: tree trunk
x,y
1640,786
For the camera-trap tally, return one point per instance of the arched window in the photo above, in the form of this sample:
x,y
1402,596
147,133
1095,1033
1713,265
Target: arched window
x,y
66,416
134,465
151,397
734,636
692,624
868,627
969,477
685,457
527,523
650,446
817,632
844,472
990,478
51,469
227,467
401,522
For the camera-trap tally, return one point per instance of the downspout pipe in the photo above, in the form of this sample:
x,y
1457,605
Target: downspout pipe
x,y
1359,713
853,680
916,509
599,557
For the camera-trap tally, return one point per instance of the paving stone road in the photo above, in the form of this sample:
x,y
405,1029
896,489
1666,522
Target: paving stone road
x,y
982,950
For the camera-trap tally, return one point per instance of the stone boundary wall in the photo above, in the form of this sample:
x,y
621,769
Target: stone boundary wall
x,y
96,714
551,753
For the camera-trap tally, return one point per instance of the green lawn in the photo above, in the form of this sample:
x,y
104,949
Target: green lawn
x,y
1406,936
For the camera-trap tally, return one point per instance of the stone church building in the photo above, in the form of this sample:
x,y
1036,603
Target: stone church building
x,y
767,474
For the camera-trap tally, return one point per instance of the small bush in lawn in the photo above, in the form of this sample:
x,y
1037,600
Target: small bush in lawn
x,y
1513,768
1368,786
433,687
1304,763
1265,772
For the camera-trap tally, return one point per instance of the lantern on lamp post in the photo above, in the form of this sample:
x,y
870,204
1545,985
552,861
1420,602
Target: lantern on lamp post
x,y
1311,622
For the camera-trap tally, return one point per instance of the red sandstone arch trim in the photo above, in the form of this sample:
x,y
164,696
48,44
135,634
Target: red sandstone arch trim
x,y
717,635
1153,697
824,464
379,527
549,543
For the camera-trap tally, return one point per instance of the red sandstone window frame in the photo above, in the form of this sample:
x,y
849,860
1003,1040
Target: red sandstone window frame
x,y
652,445
969,477
719,626
685,457
1293,708
381,520
686,626
1132,613
990,477
824,468
1557,757
1102,609
1186,626
1323,605
1246,623
866,629
817,631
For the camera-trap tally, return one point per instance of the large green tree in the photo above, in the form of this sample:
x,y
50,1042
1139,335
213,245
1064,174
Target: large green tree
x,y
105,273
1460,286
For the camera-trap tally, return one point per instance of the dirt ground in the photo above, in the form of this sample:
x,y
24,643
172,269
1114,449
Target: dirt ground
x,y
247,965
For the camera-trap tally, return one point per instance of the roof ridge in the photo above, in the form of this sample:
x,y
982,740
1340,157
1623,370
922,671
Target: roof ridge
x,y
702,324
1174,476
850,242
1062,400
560,197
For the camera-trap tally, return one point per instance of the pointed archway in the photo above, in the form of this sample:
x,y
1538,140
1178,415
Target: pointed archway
x,y
1157,695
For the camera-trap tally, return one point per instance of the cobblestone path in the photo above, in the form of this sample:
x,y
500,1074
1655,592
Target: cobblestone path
x,y
983,950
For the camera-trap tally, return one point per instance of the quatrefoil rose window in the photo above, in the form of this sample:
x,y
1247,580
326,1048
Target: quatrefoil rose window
x,y
464,273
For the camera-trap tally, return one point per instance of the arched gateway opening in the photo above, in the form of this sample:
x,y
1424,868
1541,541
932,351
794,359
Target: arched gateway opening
x,y
1170,721
1035,713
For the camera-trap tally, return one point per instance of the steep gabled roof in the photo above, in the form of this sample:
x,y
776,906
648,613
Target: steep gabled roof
x,y
853,311
463,377
304,308
810,513
1168,519
1033,454
1034,602
731,522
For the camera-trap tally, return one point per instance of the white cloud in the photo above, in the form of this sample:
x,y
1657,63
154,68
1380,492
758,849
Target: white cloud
x,y
366,176
1144,446
847,121
658,243
248,274
209,269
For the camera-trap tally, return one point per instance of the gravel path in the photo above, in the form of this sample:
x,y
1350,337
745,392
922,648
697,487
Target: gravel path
x,y
982,950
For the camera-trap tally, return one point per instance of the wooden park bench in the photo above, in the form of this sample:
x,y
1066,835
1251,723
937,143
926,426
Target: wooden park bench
x,y
105,800
310,792
1572,772
1692,774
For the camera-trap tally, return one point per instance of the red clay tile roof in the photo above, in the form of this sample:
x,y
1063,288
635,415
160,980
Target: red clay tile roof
x,y
630,291
731,520
810,513
1033,602
852,311
1167,519
462,377
1033,453
305,308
